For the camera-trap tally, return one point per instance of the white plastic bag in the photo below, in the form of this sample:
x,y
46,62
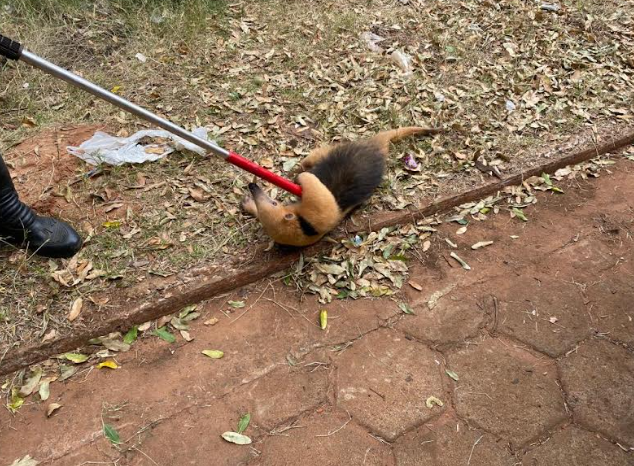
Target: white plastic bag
x,y
112,150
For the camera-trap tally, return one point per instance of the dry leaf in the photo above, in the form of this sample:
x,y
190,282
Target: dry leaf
x,y
198,195
75,309
162,321
31,383
238,439
49,336
482,244
63,277
415,285
26,461
460,261
323,319
45,390
28,122
52,408
109,364
432,400
267,162
213,354
146,326
111,207
101,301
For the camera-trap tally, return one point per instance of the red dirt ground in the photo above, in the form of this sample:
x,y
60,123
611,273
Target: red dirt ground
x,y
41,163
539,335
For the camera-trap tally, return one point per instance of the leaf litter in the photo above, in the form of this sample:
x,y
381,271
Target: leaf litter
x,y
500,78
365,265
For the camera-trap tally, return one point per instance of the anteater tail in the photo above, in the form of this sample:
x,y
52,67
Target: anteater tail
x,y
384,138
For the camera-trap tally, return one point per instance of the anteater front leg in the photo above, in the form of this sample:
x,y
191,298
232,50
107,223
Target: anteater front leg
x,y
248,205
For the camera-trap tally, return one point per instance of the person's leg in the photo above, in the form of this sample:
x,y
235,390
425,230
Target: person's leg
x,y
20,226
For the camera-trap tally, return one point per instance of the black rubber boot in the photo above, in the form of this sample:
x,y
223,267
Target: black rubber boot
x,y
22,227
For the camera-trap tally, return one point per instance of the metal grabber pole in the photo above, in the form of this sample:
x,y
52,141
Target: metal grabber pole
x,y
15,51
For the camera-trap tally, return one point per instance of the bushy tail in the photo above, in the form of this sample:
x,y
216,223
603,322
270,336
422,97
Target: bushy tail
x,y
384,138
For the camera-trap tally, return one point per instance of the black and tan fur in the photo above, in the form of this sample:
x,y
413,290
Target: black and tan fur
x,y
337,179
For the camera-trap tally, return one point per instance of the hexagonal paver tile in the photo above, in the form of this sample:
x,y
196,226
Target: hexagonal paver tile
x,y
285,393
444,320
586,254
448,441
507,390
599,381
611,305
577,447
325,438
353,318
191,437
548,314
385,379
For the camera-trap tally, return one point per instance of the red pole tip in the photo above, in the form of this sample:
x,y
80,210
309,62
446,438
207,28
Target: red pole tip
x,y
264,174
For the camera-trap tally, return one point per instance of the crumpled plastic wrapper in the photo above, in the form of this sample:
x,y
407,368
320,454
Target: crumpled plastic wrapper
x,y
103,148
400,58
372,40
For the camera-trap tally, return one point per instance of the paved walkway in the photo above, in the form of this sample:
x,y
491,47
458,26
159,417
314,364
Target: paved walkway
x,y
530,354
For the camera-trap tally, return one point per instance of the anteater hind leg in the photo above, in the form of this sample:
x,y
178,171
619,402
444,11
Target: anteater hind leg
x,y
315,156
